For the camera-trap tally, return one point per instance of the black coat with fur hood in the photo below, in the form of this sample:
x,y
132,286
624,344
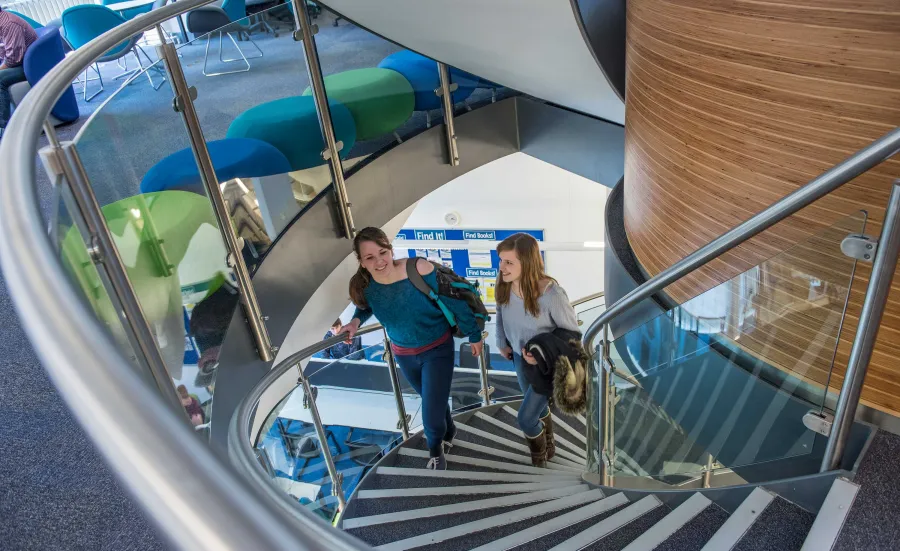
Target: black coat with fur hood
x,y
561,370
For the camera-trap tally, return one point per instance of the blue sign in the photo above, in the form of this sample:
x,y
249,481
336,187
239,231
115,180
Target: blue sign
x,y
430,235
481,272
486,235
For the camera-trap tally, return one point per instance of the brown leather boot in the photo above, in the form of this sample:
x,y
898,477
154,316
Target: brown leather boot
x,y
548,430
538,447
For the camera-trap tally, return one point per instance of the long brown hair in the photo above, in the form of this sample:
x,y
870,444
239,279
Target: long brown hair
x,y
529,255
361,278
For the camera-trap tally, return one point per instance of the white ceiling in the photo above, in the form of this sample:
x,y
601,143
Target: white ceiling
x,y
534,46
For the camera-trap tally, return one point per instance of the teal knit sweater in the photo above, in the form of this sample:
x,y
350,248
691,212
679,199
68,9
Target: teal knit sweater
x,y
412,319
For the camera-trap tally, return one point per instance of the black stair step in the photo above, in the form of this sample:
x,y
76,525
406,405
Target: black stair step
x,y
481,424
552,540
462,436
471,541
380,506
699,530
619,539
395,531
782,526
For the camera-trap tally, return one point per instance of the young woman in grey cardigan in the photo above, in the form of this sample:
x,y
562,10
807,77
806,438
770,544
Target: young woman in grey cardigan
x,y
529,302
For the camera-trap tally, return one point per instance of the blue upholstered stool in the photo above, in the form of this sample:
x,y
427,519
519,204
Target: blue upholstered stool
x,y
292,126
231,157
422,74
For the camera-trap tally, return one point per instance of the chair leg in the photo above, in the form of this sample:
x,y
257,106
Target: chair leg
x,y
150,68
84,88
225,60
241,52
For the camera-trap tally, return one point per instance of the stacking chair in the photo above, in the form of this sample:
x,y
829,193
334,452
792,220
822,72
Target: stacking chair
x,y
86,22
227,18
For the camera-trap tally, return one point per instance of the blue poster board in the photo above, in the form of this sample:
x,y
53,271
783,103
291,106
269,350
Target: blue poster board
x,y
478,266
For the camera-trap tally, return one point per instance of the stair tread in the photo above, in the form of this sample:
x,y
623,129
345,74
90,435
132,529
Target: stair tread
x,y
619,539
481,538
371,507
381,534
551,540
696,532
782,526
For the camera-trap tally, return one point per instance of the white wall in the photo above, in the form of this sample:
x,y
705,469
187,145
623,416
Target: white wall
x,y
534,46
521,192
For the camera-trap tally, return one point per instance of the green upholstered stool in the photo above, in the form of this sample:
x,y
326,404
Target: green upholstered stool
x,y
380,100
292,126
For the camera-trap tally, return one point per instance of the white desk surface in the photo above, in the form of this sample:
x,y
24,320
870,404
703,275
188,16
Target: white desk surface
x,y
348,407
122,6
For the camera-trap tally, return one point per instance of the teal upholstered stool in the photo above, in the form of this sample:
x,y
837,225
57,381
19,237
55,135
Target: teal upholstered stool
x,y
291,126
380,100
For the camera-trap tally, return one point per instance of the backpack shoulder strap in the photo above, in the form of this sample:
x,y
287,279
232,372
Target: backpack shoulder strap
x,y
417,280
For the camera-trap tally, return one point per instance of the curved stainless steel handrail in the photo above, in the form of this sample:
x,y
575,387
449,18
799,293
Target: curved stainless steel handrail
x,y
872,155
195,497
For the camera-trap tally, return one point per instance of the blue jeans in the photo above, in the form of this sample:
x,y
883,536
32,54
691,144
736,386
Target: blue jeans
x,y
8,77
431,374
534,406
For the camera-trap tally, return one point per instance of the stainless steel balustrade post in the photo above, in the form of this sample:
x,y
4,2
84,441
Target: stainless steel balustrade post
x,y
337,488
317,86
102,250
603,378
184,103
866,332
486,389
446,93
403,423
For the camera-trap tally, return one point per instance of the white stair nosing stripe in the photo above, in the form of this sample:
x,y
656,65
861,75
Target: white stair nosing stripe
x,y
832,515
500,424
465,490
476,475
560,460
486,463
518,458
662,530
566,454
555,524
578,451
493,522
557,439
581,418
565,426
578,461
727,536
609,524
492,437
457,508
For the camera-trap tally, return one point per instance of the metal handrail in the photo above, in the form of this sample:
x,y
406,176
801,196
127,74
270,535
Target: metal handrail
x,y
876,295
195,497
865,159
240,439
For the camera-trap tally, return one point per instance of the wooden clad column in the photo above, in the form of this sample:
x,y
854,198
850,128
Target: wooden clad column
x,y
731,105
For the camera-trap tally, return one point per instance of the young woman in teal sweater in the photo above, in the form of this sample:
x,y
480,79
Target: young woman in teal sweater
x,y
421,339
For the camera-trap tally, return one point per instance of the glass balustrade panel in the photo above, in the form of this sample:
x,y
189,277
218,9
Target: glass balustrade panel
x,y
137,156
727,377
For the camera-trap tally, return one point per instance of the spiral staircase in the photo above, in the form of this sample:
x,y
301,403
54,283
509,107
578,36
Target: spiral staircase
x,y
491,498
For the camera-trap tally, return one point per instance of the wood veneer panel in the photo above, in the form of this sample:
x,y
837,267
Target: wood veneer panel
x,y
733,104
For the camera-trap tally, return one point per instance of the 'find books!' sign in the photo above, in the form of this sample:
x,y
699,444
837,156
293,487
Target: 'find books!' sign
x,y
480,266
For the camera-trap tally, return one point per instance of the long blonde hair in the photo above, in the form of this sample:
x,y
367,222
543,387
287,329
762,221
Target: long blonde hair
x,y
529,255
362,277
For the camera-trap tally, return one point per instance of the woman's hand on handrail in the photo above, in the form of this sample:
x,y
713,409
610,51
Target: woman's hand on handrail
x,y
351,329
